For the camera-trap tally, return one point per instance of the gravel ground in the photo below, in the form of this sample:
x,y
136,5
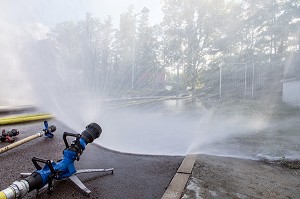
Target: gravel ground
x,y
223,177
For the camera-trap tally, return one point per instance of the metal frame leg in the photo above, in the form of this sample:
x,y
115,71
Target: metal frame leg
x,y
75,179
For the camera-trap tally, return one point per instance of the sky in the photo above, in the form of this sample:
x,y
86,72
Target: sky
x,y
51,12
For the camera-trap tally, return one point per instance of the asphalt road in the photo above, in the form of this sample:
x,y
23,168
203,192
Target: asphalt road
x,y
135,176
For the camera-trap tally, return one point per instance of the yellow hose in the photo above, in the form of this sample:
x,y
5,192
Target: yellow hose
x,y
25,118
2,195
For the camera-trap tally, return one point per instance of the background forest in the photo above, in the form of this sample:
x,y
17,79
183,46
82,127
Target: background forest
x,y
186,51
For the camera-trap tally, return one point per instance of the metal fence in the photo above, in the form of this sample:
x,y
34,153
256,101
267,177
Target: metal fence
x,y
250,81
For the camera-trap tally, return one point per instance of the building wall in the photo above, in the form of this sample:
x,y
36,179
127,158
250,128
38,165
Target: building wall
x,y
291,92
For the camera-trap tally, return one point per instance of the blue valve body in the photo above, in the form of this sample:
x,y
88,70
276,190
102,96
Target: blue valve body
x,y
65,166
47,130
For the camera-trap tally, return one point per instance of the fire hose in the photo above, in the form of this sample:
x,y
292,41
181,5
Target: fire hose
x,y
62,169
25,118
47,131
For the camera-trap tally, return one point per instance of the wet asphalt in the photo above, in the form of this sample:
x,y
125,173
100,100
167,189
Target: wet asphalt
x,y
226,177
135,176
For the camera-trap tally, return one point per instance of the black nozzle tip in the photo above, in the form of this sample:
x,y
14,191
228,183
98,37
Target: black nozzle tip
x,y
91,132
95,127
52,128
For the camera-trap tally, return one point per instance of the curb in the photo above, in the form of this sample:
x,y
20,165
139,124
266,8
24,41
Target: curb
x,y
25,118
177,185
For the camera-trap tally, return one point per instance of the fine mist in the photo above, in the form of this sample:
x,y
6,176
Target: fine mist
x,y
148,132
15,88
162,89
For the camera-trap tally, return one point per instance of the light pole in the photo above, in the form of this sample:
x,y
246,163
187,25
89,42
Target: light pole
x,y
143,11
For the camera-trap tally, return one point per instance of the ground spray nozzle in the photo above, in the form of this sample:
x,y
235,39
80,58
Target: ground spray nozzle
x,y
64,168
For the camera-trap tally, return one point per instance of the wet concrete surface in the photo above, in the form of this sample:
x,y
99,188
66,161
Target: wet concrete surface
x,y
135,176
224,177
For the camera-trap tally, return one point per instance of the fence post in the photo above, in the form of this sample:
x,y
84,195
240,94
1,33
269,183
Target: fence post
x,y
252,81
220,91
245,91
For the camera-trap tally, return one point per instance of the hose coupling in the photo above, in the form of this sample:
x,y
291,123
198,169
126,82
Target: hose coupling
x,y
17,189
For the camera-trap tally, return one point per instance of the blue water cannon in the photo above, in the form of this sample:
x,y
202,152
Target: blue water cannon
x,y
62,169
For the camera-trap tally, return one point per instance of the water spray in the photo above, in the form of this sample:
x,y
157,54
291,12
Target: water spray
x,y
47,131
62,169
